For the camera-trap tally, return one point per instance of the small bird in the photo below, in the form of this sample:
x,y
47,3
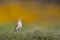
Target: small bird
x,y
18,25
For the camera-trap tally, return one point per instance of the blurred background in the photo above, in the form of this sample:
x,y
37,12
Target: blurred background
x,y
40,19
42,12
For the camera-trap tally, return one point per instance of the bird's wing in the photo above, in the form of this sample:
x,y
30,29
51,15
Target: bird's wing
x,y
15,27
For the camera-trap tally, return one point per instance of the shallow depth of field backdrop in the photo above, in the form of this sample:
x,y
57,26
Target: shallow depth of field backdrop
x,y
46,13
40,18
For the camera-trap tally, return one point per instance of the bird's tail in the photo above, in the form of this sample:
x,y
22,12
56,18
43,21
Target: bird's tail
x,y
14,30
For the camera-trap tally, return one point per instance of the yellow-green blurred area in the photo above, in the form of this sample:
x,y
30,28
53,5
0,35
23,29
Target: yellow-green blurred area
x,y
40,19
30,11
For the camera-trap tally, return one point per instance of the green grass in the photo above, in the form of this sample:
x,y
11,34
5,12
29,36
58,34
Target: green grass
x,y
29,33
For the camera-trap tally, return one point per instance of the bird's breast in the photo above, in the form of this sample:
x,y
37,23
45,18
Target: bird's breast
x,y
20,24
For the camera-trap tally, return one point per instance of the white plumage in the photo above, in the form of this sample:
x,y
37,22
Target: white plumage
x,y
18,25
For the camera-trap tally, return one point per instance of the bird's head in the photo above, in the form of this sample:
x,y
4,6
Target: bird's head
x,y
19,19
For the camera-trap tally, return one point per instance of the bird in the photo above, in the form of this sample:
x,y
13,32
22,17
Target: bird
x,y
18,25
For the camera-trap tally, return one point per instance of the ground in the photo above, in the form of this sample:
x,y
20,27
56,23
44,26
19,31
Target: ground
x,y
6,33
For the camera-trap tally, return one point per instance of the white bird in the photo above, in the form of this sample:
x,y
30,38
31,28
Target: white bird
x,y
18,25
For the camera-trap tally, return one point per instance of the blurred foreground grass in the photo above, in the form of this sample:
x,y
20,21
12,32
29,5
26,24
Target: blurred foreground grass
x,y
32,33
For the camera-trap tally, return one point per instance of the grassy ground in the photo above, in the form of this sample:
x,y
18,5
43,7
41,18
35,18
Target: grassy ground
x,y
33,33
